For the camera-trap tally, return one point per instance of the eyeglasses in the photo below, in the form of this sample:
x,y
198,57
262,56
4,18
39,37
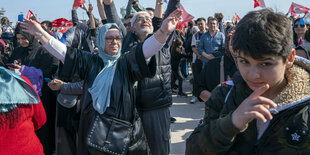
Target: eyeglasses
x,y
140,19
300,25
110,39
127,24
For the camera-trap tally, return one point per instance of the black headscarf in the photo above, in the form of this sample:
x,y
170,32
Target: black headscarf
x,y
25,54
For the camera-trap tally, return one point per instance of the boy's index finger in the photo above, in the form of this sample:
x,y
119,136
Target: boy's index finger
x,y
259,91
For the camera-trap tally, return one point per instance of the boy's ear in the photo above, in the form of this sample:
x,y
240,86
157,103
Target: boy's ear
x,y
290,59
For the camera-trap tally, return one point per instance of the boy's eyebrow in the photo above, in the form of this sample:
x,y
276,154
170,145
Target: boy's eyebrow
x,y
261,59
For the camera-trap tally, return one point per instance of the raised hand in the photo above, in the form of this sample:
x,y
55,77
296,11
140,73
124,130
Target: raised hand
x,y
253,107
170,23
90,8
31,27
36,30
84,7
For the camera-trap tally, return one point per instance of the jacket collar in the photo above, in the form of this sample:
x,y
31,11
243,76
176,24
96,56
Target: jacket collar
x,y
298,86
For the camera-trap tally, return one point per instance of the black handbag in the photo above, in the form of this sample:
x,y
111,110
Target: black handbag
x,y
110,135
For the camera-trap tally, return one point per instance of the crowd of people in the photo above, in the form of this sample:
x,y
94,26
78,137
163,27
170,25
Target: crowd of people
x,y
106,87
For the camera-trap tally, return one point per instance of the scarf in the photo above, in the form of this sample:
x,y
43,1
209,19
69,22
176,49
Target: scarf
x,y
14,91
101,88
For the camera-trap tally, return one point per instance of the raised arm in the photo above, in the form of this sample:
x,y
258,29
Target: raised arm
x,y
101,10
112,16
159,9
154,43
91,17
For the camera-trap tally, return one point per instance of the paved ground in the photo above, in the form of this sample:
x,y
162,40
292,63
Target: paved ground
x,y
187,115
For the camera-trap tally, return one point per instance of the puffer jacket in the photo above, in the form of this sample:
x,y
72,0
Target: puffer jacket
x,y
286,133
155,93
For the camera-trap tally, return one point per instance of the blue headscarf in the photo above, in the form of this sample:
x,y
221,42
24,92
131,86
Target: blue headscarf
x,y
14,90
101,88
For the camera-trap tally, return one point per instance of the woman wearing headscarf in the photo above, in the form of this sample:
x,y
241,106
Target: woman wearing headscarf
x,y
30,58
21,113
108,77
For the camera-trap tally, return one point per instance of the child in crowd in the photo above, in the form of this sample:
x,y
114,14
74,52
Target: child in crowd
x,y
264,110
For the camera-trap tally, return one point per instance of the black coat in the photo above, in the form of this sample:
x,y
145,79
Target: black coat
x,y
131,67
209,77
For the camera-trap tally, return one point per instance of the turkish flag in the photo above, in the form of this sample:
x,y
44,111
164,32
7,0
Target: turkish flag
x,y
298,9
29,14
259,3
78,3
238,18
62,22
185,19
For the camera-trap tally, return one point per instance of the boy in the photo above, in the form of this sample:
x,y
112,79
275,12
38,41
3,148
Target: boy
x,y
264,110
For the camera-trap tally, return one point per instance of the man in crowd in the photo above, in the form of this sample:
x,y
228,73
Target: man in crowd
x,y
197,63
212,43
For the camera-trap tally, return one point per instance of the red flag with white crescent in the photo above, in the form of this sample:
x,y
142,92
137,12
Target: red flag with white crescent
x,y
298,9
185,18
62,22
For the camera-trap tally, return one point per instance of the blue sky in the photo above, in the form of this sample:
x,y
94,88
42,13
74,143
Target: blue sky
x,y
53,9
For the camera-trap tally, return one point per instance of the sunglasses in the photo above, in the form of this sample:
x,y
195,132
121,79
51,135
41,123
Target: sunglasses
x,y
300,25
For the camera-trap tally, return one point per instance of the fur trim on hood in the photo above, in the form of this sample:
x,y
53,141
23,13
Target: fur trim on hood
x,y
297,89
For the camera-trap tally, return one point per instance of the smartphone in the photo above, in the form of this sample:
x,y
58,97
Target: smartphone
x,y
47,80
20,17
11,65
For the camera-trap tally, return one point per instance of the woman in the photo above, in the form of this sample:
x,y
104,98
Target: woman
x,y
301,32
108,77
31,54
7,31
21,113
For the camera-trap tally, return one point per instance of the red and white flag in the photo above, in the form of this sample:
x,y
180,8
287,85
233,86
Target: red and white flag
x,y
298,9
185,18
259,3
29,14
238,18
78,3
62,22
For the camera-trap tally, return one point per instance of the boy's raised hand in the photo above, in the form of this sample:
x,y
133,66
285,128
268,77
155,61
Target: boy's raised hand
x,y
253,107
